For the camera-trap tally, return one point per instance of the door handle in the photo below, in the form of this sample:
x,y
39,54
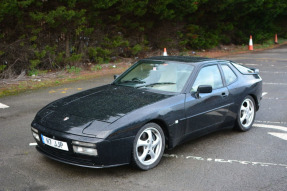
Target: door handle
x,y
223,94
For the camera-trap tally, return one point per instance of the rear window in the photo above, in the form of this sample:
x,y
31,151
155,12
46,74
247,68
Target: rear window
x,y
242,69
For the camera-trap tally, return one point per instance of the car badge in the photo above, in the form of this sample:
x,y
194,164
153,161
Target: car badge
x,y
66,118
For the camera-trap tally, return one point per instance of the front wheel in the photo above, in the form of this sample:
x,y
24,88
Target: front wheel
x,y
246,114
148,146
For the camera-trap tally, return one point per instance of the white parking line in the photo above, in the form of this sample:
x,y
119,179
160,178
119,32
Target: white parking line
x,y
272,122
281,128
279,135
33,144
3,106
272,98
270,83
276,127
261,164
264,93
251,64
273,72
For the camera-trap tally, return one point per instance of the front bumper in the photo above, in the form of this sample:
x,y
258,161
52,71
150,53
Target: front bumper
x,y
76,161
110,153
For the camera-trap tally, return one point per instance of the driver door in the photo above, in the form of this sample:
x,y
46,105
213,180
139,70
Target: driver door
x,y
207,110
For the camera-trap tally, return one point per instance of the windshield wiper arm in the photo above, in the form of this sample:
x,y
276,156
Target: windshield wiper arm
x,y
155,84
133,81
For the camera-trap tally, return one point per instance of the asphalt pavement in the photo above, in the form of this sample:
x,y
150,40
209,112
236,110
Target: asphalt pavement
x,y
226,160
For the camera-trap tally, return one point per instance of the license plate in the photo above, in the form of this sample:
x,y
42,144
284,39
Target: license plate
x,y
55,143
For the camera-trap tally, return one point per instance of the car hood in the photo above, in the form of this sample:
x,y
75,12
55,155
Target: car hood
x,y
99,106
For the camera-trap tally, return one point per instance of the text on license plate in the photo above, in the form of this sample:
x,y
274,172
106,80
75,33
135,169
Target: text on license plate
x,y
55,143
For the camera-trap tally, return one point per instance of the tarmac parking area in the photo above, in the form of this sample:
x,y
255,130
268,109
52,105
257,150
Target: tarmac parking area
x,y
226,160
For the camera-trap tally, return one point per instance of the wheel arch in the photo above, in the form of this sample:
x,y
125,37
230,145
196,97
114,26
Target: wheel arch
x,y
256,101
164,127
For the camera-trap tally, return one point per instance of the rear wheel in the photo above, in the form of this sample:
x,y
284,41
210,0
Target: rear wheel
x,y
148,146
246,114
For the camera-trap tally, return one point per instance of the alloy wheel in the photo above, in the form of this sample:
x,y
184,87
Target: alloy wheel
x,y
149,146
247,112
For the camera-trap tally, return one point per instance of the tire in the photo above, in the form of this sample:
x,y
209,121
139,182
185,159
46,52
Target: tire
x,y
148,146
246,114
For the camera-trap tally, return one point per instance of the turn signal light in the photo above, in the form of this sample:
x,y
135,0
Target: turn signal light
x,y
35,134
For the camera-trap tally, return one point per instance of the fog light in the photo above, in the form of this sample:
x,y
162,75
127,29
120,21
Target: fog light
x,y
85,148
35,134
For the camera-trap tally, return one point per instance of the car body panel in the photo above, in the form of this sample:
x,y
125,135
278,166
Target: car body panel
x,y
207,111
112,153
79,113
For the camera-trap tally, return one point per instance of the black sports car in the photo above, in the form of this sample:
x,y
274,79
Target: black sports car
x,y
157,103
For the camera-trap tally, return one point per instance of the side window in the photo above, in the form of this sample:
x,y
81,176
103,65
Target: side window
x,y
228,74
209,75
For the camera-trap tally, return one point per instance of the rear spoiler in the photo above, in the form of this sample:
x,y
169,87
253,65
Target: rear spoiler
x,y
256,70
244,69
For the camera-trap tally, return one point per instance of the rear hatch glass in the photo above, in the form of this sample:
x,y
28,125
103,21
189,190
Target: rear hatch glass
x,y
242,69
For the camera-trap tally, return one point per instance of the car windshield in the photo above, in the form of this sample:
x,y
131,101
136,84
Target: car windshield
x,y
166,76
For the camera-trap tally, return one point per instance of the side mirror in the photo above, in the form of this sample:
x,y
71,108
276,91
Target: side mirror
x,y
116,76
204,89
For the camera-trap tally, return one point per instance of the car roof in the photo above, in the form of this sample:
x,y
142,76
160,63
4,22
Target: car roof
x,y
187,59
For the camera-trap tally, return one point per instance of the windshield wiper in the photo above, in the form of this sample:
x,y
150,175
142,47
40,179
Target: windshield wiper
x,y
138,81
156,84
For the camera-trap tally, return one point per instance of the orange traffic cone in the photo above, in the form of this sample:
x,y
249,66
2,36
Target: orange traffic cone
x,y
276,39
250,43
164,52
